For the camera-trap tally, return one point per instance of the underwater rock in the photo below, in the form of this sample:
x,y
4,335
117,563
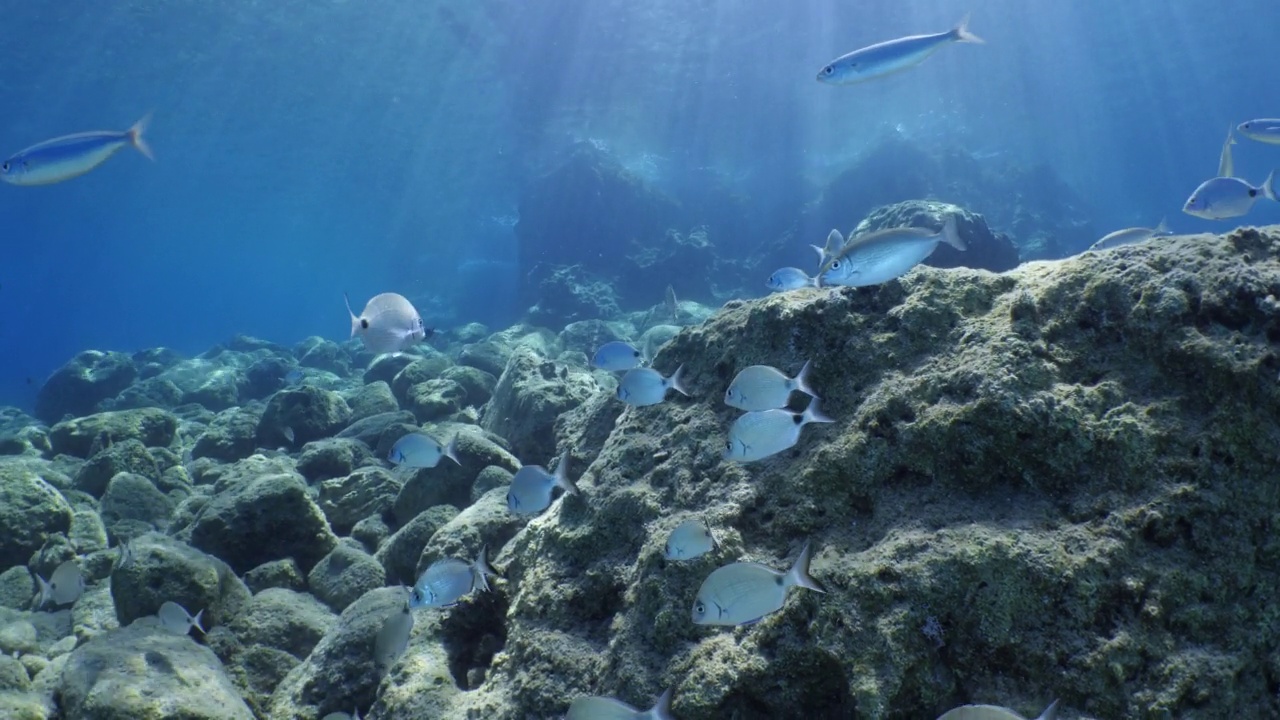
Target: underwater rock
x,y
489,356
87,379
231,436
986,251
129,456
434,400
372,399
587,336
17,587
266,376
297,416
344,575
349,499
372,429
165,569
530,395
153,361
399,554
316,352
370,532
477,385
152,392
487,521
218,388
331,458
572,294
285,620
143,671
275,574
30,511
134,497
87,435
418,371
449,483
384,368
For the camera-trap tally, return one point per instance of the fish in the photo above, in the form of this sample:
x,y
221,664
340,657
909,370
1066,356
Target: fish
x,y
606,708
994,712
65,585
1130,236
886,254
1265,130
124,557
743,592
388,324
393,637
690,539
531,487
790,278
447,581
71,156
642,387
892,56
758,435
287,433
293,377
1226,168
418,450
1222,197
176,619
760,387
835,241
673,305
617,356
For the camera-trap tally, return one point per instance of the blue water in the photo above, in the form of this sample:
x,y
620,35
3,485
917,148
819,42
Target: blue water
x,y
310,147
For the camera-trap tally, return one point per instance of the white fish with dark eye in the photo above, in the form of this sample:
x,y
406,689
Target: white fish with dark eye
x,y
69,156
744,592
388,324
1222,197
65,585
617,356
530,491
891,56
176,619
758,435
642,387
761,387
1266,130
606,708
994,712
886,254
690,539
393,637
1227,167
835,241
790,278
445,582
1130,236
418,450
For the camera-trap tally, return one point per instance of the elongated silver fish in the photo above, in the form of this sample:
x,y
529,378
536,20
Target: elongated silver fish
x,y
892,56
1222,197
418,450
393,637
1265,130
176,619
447,581
758,435
641,387
70,156
1226,167
886,254
744,592
531,487
690,539
605,708
994,712
1129,236
760,387
389,323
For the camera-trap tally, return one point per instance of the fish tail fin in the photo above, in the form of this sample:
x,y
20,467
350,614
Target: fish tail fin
x,y
451,450
136,139
1050,712
799,573
44,592
483,569
662,709
355,321
1231,140
802,379
951,234
676,381
195,622
822,254
962,34
1269,187
562,474
1163,227
812,282
814,414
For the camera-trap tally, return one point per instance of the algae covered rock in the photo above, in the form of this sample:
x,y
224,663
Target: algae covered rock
x,y
165,569
30,511
84,436
231,436
86,380
344,575
129,456
368,491
300,415
532,392
372,399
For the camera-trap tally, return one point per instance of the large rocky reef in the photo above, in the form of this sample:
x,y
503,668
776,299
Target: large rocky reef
x,y
1058,481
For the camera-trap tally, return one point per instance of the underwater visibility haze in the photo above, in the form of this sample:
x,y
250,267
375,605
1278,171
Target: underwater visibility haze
x,y
602,359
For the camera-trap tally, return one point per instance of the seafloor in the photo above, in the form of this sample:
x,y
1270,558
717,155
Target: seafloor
x,y
1060,481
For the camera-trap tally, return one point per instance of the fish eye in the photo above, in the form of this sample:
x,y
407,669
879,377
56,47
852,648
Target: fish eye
x,y
700,608
828,70
835,265
729,446
5,167
364,324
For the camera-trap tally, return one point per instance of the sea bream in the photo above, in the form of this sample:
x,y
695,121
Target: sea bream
x,y
531,488
994,712
758,435
883,255
1129,236
1266,130
743,592
70,156
389,323
892,56
606,708
1227,197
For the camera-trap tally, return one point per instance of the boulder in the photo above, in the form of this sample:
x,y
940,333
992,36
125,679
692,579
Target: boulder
x,y
87,379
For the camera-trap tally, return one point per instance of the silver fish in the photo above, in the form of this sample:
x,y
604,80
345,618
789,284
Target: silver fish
x,y
389,323
761,387
758,435
744,592
641,387
124,557
617,356
287,433
176,619
790,278
604,708
1130,236
690,539
1222,197
447,581
1226,167
1265,130
994,712
65,585
393,637
835,241
531,487
418,450
886,254
673,305
892,56
70,156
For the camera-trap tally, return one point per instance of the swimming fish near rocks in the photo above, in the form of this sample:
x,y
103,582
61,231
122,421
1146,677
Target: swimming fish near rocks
x,y
617,356
388,324
445,582
604,708
892,56
994,712
761,387
418,450
531,487
1227,197
690,539
70,156
641,387
835,241
176,619
883,255
744,592
758,435
1265,130
1129,236
1226,167
393,637
65,586
790,278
